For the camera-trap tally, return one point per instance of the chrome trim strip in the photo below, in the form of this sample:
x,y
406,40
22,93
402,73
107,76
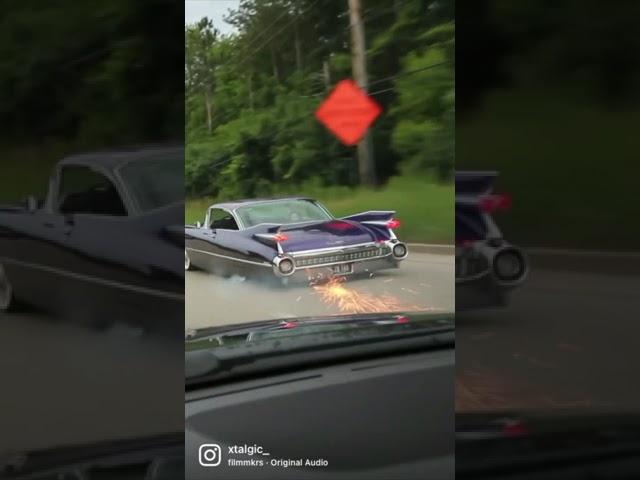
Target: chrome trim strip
x,y
345,249
361,260
380,223
230,258
97,280
371,212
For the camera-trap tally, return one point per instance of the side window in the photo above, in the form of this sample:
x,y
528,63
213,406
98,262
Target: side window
x,y
222,219
83,190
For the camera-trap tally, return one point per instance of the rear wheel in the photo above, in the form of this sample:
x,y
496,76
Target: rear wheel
x,y
7,300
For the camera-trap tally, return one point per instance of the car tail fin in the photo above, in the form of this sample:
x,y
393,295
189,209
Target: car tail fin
x,y
474,183
476,189
371,216
272,239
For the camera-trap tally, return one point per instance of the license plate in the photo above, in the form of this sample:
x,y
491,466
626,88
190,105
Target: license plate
x,y
342,269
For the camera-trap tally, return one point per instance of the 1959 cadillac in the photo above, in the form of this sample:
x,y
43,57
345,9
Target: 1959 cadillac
x,y
291,238
105,246
487,266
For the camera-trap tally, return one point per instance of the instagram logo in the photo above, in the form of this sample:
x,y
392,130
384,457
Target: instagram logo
x,y
209,455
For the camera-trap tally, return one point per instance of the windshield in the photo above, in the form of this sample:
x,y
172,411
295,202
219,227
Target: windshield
x,y
155,182
282,212
328,200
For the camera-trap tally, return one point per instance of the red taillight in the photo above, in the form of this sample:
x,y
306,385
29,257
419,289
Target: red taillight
x,y
465,243
339,225
514,429
393,223
289,325
402,319
492,203
280,237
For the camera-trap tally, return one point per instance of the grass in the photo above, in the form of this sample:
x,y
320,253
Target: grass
x,y
424,206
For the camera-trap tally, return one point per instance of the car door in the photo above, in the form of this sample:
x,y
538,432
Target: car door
x,y
202,245
99,270
34,254
117,260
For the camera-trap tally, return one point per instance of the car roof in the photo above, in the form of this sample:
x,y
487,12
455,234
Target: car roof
x,y
251,201
112,159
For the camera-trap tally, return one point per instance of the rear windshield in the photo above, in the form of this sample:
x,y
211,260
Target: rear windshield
x,y
282,212
155,182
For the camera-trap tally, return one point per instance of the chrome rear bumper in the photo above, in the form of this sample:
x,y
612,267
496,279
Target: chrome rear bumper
x,y
363,258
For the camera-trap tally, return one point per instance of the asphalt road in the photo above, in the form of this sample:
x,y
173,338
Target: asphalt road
x,y
424,281
567,339
66,384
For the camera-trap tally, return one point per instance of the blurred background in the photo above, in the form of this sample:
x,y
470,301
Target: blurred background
x,y
549,96
79,77
82,77
257,70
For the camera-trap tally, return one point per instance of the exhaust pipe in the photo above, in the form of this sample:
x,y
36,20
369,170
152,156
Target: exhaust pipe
x,y
508,264
399,251
284,266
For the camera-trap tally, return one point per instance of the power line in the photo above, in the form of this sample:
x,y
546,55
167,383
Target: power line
x,y
246,48
241,62
375,82
397,75
366,17
382,91
410,72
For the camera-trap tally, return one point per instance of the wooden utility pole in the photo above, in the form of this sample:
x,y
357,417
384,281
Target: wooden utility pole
x,y
366,163
326,76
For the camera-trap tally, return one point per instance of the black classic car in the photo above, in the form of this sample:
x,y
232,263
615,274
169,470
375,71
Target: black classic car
x,y
105,245
487,266
289,238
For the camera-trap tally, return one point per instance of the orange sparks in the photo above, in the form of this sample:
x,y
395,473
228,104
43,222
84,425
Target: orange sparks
x,y
335,293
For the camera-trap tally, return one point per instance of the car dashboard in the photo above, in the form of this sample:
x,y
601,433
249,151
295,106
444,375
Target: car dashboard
x,y
386,418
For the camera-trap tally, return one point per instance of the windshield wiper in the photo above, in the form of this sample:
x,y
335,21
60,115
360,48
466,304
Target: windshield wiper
x,y
423,320
290,351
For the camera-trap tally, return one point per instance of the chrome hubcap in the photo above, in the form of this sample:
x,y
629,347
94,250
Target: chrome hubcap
x,y
6,291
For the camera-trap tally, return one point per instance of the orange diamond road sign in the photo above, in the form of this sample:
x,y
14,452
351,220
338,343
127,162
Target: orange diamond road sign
x,y
348,112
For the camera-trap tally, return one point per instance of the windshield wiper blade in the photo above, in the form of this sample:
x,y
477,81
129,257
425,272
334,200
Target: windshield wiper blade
x,y
423,319
290,352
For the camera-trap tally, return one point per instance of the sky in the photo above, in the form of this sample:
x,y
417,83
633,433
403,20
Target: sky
x,y
194,10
